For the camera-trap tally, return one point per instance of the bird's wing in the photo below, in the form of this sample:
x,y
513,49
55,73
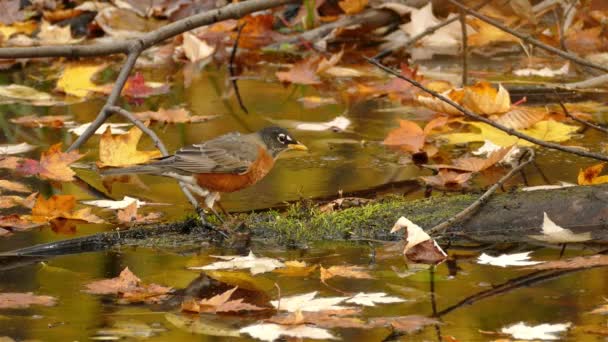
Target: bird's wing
x,y
230,153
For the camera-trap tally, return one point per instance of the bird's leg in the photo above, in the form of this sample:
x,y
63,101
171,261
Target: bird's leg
x,y
210,201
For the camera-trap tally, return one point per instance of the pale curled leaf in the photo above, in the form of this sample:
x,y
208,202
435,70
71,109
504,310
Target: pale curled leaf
x,y
110,204
371,299
271,332
553,233
16,148
308,302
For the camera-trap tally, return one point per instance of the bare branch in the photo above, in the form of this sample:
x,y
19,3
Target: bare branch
x,y
528,39
146,40
478,117
441,227
581,121
465,48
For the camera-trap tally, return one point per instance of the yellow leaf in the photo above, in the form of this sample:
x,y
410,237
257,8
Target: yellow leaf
x,y
76,79
590,175
121,150
482,98
487,34
547,130
26,27
352,6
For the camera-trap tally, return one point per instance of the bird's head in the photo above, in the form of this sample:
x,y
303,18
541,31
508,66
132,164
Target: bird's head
x,y
278,139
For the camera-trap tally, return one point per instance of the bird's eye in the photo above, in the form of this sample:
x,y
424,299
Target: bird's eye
x,y
282,138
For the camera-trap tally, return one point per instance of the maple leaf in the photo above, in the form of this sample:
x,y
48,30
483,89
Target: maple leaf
x,y
404,324
24,300
258,31
136,87
474,164
54,121
76,79
219,303
271,332
54,164
352,6
308,302
371,299
176,115
487,34
255,264
302,72
129,288
409,137
121,150
355,272
446,179
61,206
482,98
12,201
14,186
130,215
296,269
519,117
553,233
504,260
590,175
537,332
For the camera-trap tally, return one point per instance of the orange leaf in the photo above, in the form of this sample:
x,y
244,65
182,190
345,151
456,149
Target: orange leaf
x,y
409,137
482,98
355,272
474,164
61,206
590,175
302,72
352,6
129,288
219,303
55,164
447,179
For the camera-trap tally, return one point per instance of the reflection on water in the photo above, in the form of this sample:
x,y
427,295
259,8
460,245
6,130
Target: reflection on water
x,y
349,161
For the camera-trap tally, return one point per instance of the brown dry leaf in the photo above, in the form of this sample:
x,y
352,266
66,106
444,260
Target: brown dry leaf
x,y
586,41
326,64
482,98
54,121
176,115
10,162
108,181
310,102
474,164
258,31
398,89
325,319
446,179
352,6
121,150
487,34
296,268
129,288
54,164
14,186
404,324
61,14
438,105
302,72
590,175
573,263
130,215
13,201
24,300
61,206
16,222
219,303
354,272
409,137
520,117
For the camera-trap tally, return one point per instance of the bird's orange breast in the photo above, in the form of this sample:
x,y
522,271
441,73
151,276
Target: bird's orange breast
x,y
225,182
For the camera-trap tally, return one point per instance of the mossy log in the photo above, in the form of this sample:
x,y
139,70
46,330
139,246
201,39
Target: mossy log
x,y
506,217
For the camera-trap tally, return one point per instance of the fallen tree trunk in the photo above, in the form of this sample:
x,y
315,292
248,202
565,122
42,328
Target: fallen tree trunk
x,y
507,217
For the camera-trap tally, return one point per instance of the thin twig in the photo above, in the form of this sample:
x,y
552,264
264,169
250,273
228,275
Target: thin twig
x,y
485,120
528,39
111,101
157,142
440,228
232,72
465,48
581,121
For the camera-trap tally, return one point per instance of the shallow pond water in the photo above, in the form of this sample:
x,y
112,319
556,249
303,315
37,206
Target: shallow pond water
x,y
464,295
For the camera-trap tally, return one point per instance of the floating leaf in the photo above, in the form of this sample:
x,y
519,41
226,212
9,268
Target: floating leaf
x,y
76,78
129,288
504,260
446,179
354,272
536,332
54,121
219,303
590,175
302,72
271,332
482,98
121,150
61,206
371,299
130,215
308,302
110,204
14,186
24,300
16,148
177,115
117,128
253,263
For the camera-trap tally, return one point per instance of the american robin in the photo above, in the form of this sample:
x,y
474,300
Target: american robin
x,y
228,163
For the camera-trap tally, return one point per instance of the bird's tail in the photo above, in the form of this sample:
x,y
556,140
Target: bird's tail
x,y
139,169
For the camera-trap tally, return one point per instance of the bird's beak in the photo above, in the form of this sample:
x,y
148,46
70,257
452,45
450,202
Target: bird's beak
x,y
297,146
